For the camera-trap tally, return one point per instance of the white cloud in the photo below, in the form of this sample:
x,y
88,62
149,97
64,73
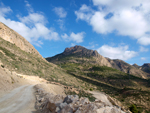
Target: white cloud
x,y
32,27
143,58
33,18
143,49
4,10
61,23
78,38
29,7
128,18
144,41
60,12
120,52
84,13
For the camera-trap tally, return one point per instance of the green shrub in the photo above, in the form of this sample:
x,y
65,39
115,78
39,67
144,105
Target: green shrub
x,y
133,109
2,66
91,89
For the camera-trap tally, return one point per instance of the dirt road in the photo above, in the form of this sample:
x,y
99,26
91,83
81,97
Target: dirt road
x,y
20,100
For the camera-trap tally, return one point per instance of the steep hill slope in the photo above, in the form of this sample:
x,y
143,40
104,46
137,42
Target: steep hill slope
x,y
16,39
18,55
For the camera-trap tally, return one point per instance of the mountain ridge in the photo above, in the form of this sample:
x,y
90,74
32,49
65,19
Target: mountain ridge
x,y
81,52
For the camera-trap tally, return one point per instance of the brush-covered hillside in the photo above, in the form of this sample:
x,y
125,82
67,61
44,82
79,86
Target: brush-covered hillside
x,y
18,55
113,77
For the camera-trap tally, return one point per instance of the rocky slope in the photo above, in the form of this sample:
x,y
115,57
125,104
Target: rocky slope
x,y
77,53
50,103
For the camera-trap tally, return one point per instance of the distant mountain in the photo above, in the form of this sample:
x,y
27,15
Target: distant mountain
x,y
127,68
77,53
136,66
146,67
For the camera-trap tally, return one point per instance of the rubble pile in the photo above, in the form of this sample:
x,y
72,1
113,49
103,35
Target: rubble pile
x,y
50,103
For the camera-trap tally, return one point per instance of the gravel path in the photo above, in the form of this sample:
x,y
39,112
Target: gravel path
x,y
20,100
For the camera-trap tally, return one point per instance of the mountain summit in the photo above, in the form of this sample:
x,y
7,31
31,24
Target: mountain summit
x,y
80,51
78,54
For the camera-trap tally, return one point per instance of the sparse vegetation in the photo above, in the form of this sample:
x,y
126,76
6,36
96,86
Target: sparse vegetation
x,y
82,94
2,66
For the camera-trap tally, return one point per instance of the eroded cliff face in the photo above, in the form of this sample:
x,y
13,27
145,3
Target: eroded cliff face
x,y
13,37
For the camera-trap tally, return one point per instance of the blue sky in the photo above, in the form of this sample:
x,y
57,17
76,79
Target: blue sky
x,y
118,29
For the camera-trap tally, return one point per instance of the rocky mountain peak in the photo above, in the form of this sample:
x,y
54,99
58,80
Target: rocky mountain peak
x,y
146,65
80,51
136,66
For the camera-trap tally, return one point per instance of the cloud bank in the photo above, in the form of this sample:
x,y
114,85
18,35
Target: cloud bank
x,y
124,17
120,52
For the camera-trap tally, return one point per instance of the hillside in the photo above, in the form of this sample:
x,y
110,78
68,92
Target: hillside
x,y
25,59
110,76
